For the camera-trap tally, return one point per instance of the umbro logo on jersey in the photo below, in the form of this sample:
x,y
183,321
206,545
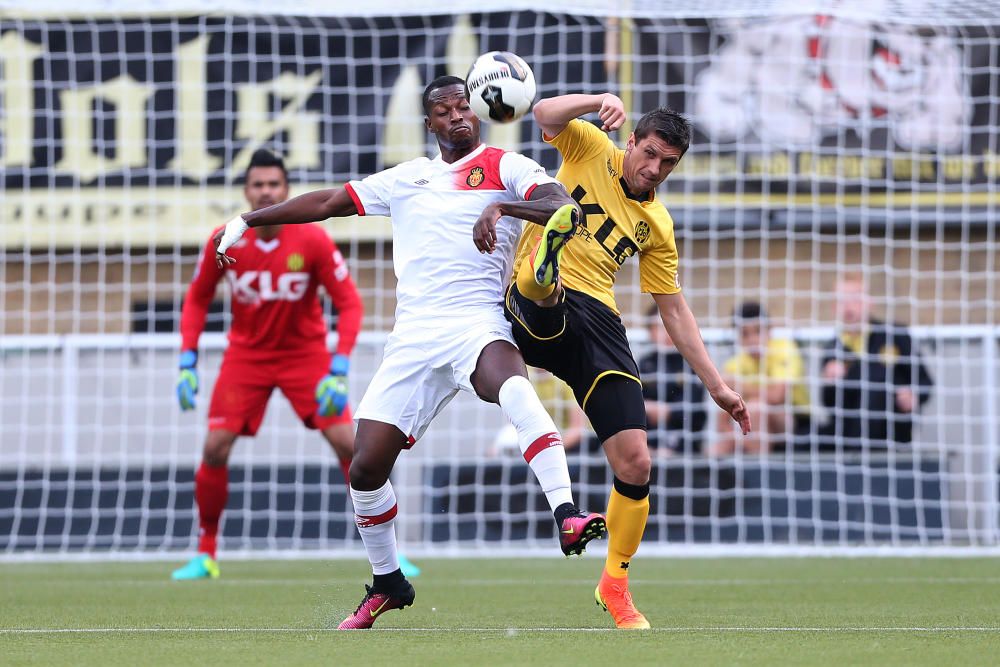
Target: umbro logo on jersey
x,y
422,181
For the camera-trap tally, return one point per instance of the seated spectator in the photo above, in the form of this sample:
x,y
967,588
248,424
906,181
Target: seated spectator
x,y
770,374
874,382
675,397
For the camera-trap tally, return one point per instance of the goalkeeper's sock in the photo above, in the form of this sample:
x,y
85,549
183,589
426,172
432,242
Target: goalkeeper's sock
x,y
211,490
375,514
526,284
540,442
345,467
628,509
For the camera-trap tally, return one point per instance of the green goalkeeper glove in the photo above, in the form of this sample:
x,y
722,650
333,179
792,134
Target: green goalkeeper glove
x,y
331,393
187,383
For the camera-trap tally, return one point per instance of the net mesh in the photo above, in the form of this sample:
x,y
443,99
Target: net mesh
x,y
830,140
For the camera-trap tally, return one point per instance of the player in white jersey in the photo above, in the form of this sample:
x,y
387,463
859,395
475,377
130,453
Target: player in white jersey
x,y
450,332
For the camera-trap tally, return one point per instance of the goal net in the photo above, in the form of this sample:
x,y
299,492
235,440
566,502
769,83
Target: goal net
x,y
835,145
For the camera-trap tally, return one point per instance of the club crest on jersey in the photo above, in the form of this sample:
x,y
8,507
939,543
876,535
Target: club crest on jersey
x,y
476,177
296,262
642,231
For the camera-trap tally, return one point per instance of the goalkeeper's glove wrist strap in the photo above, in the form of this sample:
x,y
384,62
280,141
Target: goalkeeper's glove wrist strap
x,y
340,364
188,359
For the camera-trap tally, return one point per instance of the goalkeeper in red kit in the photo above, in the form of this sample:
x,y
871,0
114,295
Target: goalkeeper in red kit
x,y
277,341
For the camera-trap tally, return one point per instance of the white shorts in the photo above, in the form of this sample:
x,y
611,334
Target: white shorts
x,y
423,367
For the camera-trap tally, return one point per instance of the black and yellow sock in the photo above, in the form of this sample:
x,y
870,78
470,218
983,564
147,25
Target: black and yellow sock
x,y
628,509
526,284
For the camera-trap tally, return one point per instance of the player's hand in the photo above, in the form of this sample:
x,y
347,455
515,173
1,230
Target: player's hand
x,y
612,112
187,382
731,402
484,233
225,238
331,392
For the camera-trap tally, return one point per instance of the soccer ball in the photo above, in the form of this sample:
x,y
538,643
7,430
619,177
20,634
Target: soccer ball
x,y
500,86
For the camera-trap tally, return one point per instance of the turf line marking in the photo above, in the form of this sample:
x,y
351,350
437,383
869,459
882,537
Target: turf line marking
x,y
775,629
638,581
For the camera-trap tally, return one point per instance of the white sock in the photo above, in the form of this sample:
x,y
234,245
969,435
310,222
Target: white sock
x,y
375,514
541,444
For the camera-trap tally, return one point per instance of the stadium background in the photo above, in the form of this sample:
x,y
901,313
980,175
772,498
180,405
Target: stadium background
x,y
827,141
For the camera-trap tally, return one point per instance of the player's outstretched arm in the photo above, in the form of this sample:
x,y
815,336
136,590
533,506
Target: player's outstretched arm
x,y
310,207
683,329
554,113
543,201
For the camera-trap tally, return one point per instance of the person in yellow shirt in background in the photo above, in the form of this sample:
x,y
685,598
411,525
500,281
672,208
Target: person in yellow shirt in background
x,y
770,375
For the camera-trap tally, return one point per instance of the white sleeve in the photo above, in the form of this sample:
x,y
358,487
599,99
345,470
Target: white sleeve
x,y
372,194
520,175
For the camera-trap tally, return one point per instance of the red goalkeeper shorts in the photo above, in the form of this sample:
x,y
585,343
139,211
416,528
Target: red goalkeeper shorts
x,y
244,386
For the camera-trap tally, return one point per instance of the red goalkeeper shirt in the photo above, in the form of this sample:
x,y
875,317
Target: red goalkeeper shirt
x,y
273,286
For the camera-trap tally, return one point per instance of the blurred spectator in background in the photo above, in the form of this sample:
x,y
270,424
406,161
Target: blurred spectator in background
x,y
874,382
675,397
770,374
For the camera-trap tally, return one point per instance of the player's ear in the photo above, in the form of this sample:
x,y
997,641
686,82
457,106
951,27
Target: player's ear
x,y
427,124
630,144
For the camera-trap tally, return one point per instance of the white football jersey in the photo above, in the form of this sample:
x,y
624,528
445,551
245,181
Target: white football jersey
x,y
434,205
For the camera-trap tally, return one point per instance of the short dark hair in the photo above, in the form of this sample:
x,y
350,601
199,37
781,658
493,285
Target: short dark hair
x,y
749,312
265,158
439,82
668,124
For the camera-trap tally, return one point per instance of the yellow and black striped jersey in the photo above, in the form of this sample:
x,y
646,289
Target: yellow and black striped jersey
x,y
615,226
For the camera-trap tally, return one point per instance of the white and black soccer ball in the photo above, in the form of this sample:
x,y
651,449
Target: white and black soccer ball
x,y
500,86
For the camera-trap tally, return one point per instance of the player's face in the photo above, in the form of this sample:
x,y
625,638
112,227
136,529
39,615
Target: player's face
x,y
451,119
265,186
648,162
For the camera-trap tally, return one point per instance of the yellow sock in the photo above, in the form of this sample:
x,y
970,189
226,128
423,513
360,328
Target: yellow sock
x,y
526,284
626,524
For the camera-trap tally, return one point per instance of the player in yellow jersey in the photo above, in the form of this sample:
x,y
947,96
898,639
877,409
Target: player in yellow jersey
x,y
563,311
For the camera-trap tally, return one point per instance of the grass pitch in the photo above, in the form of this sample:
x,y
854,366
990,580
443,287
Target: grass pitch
x,y
498,612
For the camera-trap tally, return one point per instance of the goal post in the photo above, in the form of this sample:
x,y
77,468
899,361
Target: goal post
x,y
829,141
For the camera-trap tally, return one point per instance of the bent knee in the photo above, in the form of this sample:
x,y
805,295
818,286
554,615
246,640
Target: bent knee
x,y
630,460
366,475
218,446
635,469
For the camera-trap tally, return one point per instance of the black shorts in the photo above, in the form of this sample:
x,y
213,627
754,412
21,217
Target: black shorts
x,y
582,342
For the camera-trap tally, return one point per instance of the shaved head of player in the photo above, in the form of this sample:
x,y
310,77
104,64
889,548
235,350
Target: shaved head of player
x,y
456,219
450,118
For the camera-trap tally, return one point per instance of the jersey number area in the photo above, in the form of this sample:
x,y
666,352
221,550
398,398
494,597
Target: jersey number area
x,y
623,249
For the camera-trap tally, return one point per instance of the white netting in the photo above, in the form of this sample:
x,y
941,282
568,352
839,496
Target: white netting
x,y
859,138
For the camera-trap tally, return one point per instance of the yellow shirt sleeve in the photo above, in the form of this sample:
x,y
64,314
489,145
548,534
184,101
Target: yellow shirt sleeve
x,y
579,141
784,361
658,263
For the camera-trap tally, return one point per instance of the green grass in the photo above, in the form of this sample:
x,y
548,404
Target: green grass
x,y
470,612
